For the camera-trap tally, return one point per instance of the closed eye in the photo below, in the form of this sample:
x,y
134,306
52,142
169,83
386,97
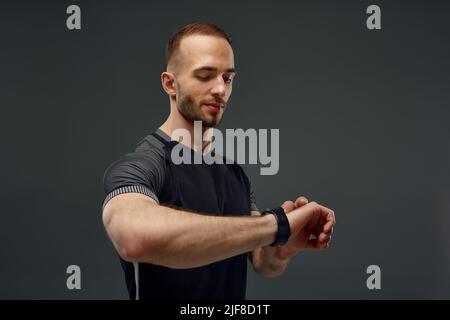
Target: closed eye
x,y
203,78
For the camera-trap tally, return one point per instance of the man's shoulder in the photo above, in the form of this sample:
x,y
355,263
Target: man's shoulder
x,y
148,152
150,145
143,166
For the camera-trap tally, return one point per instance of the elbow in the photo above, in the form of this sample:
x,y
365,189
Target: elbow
x,y
132,249
130,245
129,251
131,238
154,252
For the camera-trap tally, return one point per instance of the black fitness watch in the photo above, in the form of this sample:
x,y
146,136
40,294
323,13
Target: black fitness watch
x,y
284,229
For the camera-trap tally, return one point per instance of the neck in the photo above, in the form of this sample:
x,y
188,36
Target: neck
x,y
177,121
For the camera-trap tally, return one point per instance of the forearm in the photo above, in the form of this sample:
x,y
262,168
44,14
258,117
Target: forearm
x,y
179,239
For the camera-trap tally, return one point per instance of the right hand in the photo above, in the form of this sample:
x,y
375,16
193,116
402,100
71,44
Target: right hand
x,y
311,227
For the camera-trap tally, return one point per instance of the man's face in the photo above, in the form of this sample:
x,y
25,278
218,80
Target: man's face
x,y
204,75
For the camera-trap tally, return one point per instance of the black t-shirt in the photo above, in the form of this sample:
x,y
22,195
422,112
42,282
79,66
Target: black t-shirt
x,y
218,189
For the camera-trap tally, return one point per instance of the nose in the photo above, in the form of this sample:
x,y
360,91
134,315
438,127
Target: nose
x,y
219,88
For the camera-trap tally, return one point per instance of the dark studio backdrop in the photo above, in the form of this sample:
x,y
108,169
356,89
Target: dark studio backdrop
x,y
364,129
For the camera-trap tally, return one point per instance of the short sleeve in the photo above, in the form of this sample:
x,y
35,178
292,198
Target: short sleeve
x,y
135,172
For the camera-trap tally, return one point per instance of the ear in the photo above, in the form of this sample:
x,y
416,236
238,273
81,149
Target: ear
x,y
168,83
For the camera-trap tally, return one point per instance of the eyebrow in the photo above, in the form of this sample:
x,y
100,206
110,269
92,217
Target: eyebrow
x,y
208,68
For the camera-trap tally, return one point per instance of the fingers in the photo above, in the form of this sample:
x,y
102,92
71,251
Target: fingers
x,y
331,217
324,246
323,229
330,222
327,217
301,201
328,227
288,206
324,237
320,243
327,213
316,245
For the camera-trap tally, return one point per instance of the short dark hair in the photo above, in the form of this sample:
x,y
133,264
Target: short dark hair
x,y
201,28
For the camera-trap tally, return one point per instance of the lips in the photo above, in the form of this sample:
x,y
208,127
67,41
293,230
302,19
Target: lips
x,y
215,105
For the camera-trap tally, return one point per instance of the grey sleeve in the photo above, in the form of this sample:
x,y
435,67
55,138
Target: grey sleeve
x,y
135,172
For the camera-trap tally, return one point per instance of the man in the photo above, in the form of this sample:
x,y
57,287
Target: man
x,y
184,231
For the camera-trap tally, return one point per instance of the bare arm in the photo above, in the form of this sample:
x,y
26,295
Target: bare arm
x,y
143,231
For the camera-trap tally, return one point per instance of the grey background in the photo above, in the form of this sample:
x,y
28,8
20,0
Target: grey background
x,y
363,118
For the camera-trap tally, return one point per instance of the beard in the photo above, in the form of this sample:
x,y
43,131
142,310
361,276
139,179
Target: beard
x,y
191,111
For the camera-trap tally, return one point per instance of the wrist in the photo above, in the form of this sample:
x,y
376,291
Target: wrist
x,y
283,227
271,222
